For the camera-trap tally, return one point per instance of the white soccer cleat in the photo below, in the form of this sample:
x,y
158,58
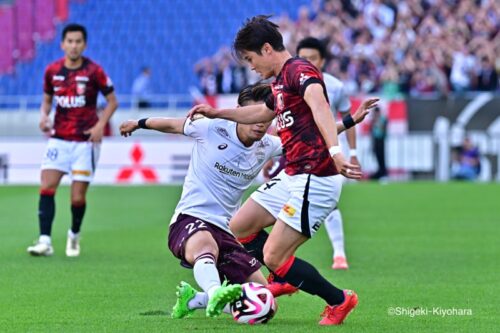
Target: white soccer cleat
x,y
41,249
73,245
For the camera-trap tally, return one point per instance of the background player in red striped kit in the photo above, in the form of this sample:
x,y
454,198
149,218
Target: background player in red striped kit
x,y
74,83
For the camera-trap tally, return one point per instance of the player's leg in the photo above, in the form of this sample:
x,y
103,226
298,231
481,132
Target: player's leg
x,y
50,180
78,207
335,231
194,241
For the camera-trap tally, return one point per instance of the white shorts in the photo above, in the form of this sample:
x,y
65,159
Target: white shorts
x,y
301,201
77,159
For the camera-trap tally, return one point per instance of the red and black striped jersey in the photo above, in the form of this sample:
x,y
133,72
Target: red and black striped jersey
x,y
75,93
304,147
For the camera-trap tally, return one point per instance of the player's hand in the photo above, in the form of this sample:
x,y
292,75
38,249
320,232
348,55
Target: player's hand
x,y
345,168
45,123
202,110
128,127
364,109
95,133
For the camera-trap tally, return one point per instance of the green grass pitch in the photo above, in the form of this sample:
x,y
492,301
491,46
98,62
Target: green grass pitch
x,y
412,247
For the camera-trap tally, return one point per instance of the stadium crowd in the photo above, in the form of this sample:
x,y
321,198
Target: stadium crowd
x,y
415,47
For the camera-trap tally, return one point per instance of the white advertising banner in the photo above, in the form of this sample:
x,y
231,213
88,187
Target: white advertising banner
x,y
122,161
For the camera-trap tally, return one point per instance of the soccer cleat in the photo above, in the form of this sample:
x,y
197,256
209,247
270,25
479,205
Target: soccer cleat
x,y
184,294
340,263
73,245
41,249
280,288
335,315
223,295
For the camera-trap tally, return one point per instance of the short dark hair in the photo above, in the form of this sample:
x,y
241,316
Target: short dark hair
x,y
257,92
257,31
312,43
73,27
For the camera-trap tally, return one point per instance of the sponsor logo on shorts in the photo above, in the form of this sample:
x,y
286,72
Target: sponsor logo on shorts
x,y
316,226
81,172
289,210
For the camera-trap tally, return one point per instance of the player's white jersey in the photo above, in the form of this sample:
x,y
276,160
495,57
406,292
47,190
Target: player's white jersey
x,y
220,170
339,102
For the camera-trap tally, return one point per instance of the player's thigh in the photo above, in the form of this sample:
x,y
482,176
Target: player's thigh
x,y
50,179
250,218
84,161
190,237
57,157
201,242
282,243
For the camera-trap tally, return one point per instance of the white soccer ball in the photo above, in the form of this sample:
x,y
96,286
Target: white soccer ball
x,y
255,306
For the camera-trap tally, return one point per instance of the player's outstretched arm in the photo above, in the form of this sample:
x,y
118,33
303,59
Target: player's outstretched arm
x,y
251,114
363,110
165,125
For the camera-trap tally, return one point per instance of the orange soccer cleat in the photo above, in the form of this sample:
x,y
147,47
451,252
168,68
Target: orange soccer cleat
x,y
335,315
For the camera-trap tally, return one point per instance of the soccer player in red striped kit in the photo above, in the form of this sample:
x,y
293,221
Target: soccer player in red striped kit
x,y
74,83
309,188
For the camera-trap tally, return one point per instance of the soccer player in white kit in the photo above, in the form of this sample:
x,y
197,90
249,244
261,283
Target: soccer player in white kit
x,y
225,160
315,52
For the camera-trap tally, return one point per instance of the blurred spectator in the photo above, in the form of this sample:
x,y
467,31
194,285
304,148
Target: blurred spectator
x,y
466,164
379,132
487,78
141,88
426,47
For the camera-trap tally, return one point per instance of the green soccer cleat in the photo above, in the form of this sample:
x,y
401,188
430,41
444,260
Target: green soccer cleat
x,y
184,294
223,295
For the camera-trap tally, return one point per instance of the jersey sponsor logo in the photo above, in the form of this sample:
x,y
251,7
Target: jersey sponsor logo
x,y
303,78
285,120
316,226
253,262
70,101
289,210
222,146
231,172
222,131
58,78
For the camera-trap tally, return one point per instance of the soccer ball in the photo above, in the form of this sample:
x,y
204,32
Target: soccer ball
x,y
255,306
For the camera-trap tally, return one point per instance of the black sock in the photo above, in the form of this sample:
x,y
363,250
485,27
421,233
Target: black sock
x,y
304,276
77,212
256,246
46,212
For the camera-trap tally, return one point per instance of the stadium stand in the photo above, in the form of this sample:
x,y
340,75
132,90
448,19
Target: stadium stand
x,y
168,36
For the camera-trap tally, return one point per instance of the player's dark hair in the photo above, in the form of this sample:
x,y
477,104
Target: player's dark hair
x,y
73,27
257,31
257,92
312,43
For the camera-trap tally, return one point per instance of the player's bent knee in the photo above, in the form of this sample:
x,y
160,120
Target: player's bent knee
x,y
200,243
273,260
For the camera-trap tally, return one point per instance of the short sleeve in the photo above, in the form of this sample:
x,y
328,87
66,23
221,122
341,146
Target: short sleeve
x,y
47,82
104,83
301,74
198,128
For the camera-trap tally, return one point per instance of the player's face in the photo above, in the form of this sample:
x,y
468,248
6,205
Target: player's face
x,y
73,45
254,132
313,56
260,63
